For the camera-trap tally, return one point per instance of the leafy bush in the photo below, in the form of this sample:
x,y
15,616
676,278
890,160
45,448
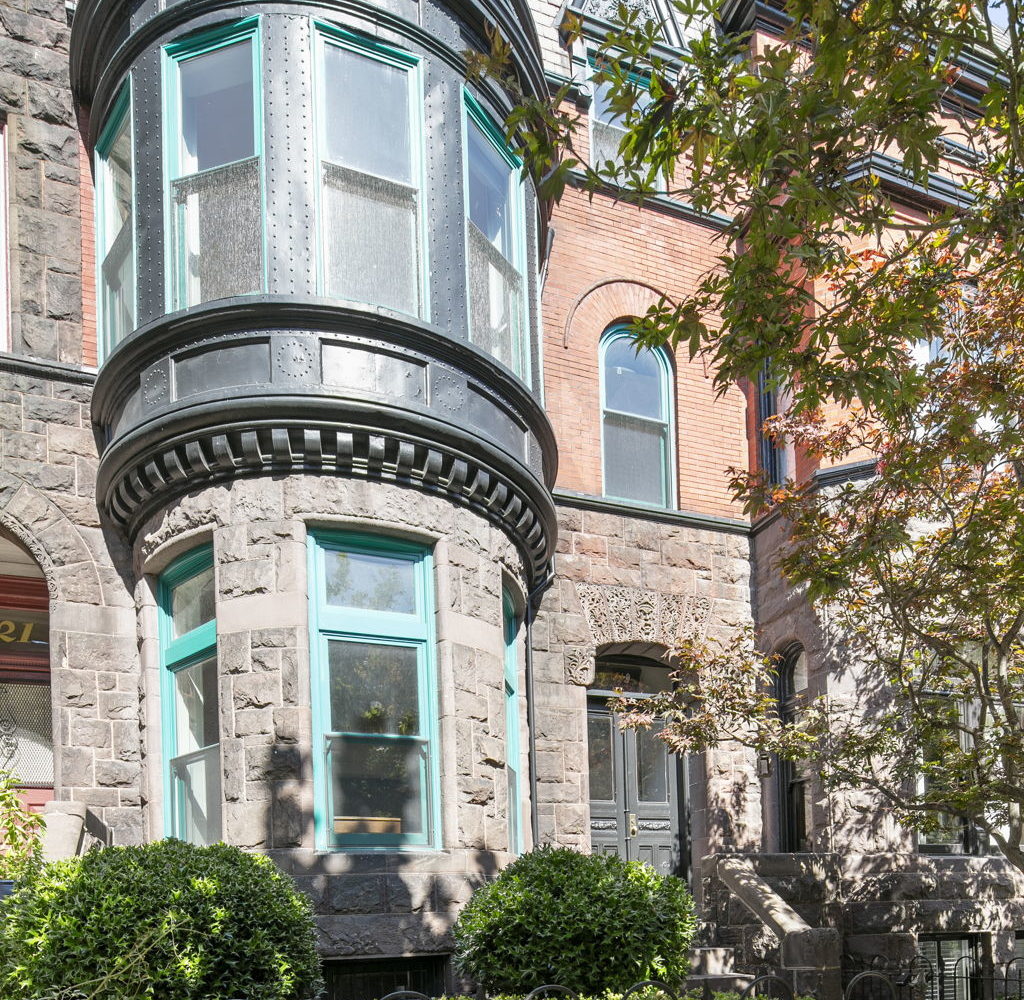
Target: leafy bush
x,y
593,923
168,921
20,830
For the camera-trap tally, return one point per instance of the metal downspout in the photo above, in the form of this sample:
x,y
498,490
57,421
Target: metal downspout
x,y
531,608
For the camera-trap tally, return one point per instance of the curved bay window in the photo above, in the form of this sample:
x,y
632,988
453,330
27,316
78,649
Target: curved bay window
x,y
495,243
370,152
190,699
26,720
636,420
792,798
374,700
214,118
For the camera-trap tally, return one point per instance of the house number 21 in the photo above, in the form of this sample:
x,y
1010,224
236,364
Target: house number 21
x,y
9,631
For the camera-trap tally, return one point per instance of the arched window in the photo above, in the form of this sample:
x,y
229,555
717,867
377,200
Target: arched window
x,y
636,420
792,680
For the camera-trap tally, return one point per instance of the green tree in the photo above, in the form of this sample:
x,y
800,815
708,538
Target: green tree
x,y
893,334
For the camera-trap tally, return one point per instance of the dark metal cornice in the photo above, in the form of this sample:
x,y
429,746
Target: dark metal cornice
x,y
937,192
102,49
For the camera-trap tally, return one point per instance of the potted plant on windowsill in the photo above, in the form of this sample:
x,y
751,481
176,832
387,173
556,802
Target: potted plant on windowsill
x,y
20,831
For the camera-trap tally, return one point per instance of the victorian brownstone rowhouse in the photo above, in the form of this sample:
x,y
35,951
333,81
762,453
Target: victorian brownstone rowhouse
x,y
333,494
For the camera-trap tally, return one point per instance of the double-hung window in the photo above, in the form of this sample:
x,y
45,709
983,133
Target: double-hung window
x,y
371,229
374,700
495,243
190,717
772,457
636,420
115,226
512,753
607,123
214,131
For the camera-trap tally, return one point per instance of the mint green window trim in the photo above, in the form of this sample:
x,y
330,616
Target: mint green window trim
x,y
251,274
115,251
513,349
512,748
654,425
412,631
328,35
178,653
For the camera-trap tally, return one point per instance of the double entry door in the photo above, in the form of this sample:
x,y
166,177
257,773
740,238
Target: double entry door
x,y
636,805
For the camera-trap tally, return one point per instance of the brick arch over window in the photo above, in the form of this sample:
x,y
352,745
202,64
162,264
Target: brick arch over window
x,y
608,301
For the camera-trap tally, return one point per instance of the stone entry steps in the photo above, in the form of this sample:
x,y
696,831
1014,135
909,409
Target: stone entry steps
x,y
713,970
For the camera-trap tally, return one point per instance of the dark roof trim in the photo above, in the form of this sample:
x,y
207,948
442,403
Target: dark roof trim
x,y
737,16
661,203
54,371
937,192
622,508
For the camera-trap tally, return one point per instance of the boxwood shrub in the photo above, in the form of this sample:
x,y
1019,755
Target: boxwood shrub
x,y
593,923
167,921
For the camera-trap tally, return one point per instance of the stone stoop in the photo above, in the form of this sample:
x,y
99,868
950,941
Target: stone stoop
x,y
713,969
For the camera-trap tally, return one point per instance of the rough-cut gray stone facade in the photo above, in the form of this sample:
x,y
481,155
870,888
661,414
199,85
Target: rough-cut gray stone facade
x,y
258,528
45,246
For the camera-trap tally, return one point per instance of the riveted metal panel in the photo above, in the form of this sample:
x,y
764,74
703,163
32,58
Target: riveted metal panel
x,y
291,159
445,201
149,198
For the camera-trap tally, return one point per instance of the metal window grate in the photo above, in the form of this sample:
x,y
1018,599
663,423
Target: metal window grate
x,y
26,733
374,978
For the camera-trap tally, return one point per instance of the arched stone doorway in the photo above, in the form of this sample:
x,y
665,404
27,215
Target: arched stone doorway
x,y
26,712
637,788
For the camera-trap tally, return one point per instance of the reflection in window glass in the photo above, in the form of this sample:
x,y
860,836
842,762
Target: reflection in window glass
x,y
192,602
370,193
635,422
374,688
216,108
190,700
494,238
26,733
372,694
216,214
370,582
599,750
652,767
115,237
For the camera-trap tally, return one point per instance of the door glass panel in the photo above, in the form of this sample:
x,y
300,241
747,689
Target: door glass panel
x,y
599,747
651,766
192,602
374,688
217,108
370,582
196,691
377,785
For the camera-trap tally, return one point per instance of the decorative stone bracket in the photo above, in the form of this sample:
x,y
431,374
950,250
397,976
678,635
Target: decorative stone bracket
x,y
627,615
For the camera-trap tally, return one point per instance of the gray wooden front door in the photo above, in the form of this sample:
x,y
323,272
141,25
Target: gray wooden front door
x,y
635,801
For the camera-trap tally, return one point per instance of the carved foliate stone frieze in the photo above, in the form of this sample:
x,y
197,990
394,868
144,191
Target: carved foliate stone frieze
x,y
579,666
633,614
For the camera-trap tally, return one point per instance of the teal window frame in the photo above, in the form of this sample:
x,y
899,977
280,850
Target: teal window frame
x,y
120,112
513,753
329,34
173,55
331,622
609,337
176,653
475,116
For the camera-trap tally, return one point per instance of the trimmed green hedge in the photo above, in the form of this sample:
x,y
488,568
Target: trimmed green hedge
x,y
592,923
167,921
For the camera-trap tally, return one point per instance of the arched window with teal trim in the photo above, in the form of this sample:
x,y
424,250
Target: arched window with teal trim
x,y
636,420
190,701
